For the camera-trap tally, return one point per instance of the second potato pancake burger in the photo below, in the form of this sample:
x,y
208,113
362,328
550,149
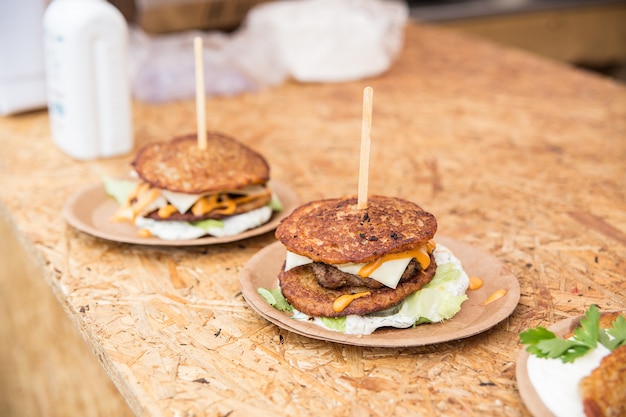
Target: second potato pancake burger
x,y
363,264
185,192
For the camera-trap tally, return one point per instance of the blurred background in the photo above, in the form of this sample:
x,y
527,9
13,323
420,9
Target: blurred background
x,y
589,34
586,33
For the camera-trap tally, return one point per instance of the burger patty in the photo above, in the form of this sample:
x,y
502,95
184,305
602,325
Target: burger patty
x,y
329,276
302,290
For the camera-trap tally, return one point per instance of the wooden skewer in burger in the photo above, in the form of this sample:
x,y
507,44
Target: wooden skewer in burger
x,y
355,264
197,185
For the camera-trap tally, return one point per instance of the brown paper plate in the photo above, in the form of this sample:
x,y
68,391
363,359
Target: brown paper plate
x,y
530,397
263,268
90,210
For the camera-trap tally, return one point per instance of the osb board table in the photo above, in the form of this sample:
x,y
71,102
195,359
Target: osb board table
x,y
520,157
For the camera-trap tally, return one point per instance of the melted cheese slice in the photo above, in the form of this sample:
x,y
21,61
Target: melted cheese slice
x,y
181,201
388,273
293,260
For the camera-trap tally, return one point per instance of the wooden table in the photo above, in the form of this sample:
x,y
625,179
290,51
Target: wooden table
x,y
518,156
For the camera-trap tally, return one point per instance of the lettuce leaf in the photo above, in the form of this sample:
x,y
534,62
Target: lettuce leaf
x,y
275,203
275,298
208,224
445,274
338,324
433,303
118,189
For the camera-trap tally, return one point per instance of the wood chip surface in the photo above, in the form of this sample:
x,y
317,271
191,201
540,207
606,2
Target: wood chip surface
x,y
514,154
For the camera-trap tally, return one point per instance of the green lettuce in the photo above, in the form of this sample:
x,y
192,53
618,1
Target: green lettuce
x,y
118,189
338,324
433,303
275,204
275,298
208,224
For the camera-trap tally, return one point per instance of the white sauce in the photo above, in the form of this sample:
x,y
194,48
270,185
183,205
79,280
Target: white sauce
x,y
556,382
233,225
170,230
367,324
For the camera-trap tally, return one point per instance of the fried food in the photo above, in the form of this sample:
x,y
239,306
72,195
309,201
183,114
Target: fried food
x,y
607,319
303,291
604,390
334,231
179,165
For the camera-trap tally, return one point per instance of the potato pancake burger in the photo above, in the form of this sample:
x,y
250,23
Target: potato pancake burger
x,y
354,269
184,192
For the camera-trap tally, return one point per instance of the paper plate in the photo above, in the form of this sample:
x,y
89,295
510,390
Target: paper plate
x,y
261,271
90,210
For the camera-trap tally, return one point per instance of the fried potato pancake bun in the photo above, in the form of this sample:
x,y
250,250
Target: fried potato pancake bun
x,y
180,165
604,390
335,231
301,289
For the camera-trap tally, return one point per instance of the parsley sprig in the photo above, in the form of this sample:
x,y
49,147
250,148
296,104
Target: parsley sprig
x,y
544,343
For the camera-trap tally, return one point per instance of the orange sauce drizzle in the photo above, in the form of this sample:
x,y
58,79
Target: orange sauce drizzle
x,y
344,301
475,283
493,297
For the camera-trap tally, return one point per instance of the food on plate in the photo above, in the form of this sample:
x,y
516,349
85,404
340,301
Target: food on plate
x,y
603,391
184,192
573,375
354,270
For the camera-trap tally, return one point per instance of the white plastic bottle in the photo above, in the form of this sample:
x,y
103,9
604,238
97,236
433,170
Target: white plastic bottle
x,y
87,78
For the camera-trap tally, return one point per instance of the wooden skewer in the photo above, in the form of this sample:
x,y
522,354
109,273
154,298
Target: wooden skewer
x,y
366,130
200,93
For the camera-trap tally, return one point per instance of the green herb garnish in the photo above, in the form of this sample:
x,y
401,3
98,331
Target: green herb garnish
x,y
544,343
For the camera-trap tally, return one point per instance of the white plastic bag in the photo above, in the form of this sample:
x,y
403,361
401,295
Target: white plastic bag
x,y
308,40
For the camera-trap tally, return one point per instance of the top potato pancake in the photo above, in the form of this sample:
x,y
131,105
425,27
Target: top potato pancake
x,y
180,165
335,231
